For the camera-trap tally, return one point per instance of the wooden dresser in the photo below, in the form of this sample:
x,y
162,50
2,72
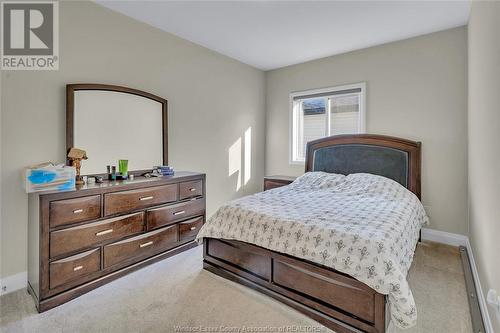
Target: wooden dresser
x,y
79,240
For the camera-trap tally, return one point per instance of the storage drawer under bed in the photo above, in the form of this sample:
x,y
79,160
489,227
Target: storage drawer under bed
x,y
295,278
332,288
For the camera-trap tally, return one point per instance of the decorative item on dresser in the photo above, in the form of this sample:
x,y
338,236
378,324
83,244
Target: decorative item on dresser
x,y
80,240
271,182
75,157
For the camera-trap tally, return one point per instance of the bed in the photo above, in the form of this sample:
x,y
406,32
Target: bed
x,y
337,243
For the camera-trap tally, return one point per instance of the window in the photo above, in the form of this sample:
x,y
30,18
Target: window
x,y
325,112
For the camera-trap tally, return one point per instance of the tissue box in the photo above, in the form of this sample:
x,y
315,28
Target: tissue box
x,y
49,177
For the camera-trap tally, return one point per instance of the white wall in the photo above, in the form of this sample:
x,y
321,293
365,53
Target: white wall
x,y
212,99
416,89
484,143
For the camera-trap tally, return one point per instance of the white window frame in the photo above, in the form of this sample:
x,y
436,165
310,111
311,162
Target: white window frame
x,y
293,118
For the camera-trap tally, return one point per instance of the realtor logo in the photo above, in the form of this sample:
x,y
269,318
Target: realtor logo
x,y
30,35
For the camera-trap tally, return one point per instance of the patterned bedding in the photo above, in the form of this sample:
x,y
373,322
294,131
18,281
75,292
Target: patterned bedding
x,y
363,225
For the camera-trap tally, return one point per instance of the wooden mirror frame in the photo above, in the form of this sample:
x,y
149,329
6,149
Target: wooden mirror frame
x,y
70,109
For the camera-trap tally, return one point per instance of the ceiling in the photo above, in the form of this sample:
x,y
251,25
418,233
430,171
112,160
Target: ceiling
x,y
273,34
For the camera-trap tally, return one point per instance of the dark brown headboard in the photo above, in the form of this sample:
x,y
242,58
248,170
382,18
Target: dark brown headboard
x,y
391,157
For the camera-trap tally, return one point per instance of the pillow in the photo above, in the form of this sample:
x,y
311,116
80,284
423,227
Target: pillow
x,y
318,180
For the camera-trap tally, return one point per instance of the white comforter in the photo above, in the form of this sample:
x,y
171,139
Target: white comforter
x,y
363,225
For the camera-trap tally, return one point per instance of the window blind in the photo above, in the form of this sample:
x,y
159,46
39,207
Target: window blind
x,y
329,93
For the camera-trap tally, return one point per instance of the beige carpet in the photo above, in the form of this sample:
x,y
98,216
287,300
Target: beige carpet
x,y
177,292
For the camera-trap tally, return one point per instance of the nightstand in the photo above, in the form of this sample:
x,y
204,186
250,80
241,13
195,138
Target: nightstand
x,y
271,182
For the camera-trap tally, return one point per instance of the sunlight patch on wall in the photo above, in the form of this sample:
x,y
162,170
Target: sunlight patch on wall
x,y
235,161
240,159
248,155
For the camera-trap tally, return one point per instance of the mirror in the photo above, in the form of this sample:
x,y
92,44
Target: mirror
x,y
112,123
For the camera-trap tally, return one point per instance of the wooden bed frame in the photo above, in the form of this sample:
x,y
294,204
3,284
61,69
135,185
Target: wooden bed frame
x,y
332,298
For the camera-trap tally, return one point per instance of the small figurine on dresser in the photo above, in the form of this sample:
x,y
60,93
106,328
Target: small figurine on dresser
x,y
76,156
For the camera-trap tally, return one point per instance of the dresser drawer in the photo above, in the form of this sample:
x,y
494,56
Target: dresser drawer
x,y
88,235
74,210
74,267
189,229
119,202
141,246
165,215
190,189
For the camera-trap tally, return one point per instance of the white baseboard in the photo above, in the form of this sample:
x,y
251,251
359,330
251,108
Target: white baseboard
x,y
12,283
444,237
479,291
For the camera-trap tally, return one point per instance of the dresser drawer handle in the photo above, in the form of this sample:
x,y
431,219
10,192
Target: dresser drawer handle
x,y
192,189
146,244
77,268
78,211
104,232
192,228
146,198
180,212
